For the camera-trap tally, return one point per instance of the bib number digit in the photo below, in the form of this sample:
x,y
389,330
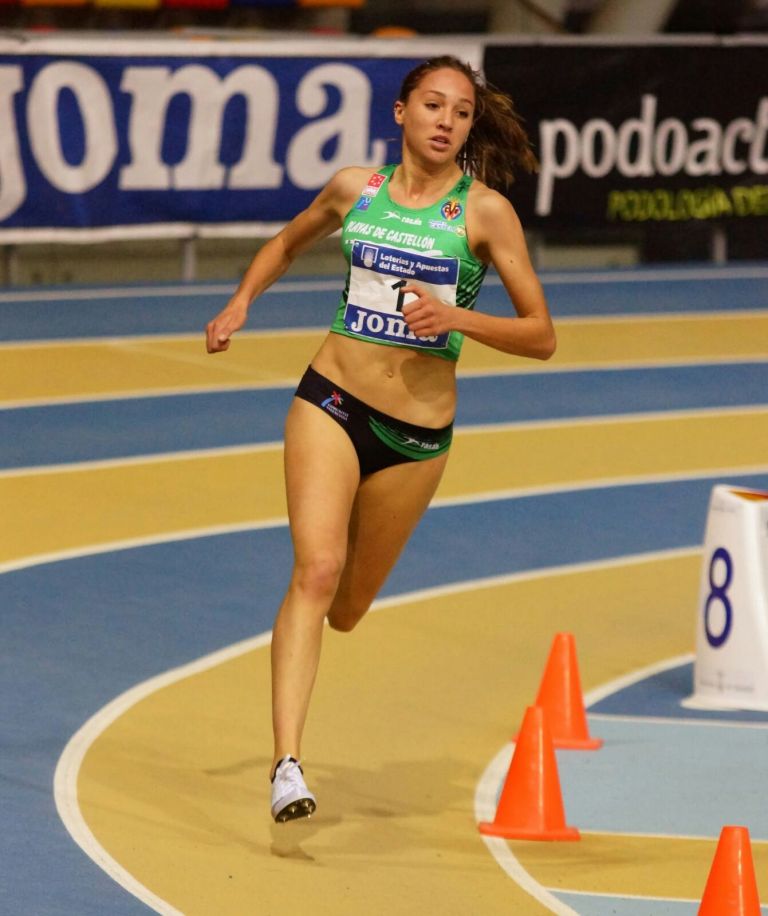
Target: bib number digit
x,y
400,294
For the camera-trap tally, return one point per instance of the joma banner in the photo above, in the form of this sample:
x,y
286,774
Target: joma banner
x,y
160,135
640,134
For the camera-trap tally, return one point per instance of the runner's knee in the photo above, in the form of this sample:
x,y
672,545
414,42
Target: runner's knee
x,y
343,624
345,618
318,576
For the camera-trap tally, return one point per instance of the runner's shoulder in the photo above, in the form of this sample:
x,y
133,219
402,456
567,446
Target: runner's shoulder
x,y
351,179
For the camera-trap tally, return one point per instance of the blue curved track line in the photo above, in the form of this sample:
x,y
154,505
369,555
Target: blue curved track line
x,y
151,311
155,314
89,614
711,291
144,426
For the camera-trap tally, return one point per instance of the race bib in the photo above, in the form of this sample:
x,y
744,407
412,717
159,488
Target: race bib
x,y
376,299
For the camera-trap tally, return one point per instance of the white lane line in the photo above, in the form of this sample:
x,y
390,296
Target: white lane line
x,y
68,766
655,836
128,341
671,275
62,296
709,722
662,318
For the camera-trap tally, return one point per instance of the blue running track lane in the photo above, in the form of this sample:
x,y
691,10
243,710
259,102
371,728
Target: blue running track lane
x,y
51,314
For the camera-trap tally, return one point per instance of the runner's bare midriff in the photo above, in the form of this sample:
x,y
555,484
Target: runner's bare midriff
x,y
418,388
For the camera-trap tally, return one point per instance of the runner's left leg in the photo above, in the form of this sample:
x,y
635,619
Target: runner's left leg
x,y
387,508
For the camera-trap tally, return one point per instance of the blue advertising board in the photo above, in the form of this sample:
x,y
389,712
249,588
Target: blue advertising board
x,y
178,134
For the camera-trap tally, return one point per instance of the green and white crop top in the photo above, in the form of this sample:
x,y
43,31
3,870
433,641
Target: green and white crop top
x,y
387,247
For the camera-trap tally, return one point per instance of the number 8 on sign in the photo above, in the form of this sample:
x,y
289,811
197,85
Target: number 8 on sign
x,y
718,593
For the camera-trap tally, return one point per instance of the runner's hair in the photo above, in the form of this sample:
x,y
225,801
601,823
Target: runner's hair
x,y
497,146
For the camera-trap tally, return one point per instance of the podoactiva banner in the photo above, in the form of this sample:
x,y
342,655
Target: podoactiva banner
x,y
640,134
114,138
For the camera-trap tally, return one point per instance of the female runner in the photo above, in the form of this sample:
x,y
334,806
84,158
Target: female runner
x,y
368,432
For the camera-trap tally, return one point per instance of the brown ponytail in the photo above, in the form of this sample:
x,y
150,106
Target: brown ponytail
x,y
497,146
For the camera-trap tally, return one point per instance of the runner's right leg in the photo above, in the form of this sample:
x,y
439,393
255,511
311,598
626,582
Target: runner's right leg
x,y
322,476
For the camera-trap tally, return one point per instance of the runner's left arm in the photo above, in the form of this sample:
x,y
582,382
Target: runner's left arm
x,y
497,237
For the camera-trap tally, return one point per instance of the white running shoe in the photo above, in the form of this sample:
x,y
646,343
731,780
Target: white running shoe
x,y
290,796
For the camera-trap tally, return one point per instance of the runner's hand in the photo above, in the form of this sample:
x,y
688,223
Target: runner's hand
x,y
219,331
426,315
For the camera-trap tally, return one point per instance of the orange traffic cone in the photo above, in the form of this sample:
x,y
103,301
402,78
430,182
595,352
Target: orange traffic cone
x,y
531,804
560,694
731,888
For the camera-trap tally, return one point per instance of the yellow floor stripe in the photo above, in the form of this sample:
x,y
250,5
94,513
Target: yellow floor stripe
x,y
61,510
578,452
621,341
176,788
647,866
118,367
132,365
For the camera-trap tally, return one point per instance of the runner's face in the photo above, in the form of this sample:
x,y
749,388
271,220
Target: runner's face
x,y
437,115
